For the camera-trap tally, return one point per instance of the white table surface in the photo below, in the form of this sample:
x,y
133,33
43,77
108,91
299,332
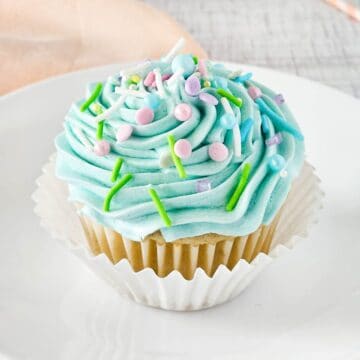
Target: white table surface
x,y
304,37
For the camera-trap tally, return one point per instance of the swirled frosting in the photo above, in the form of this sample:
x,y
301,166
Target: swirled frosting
x,y
193,209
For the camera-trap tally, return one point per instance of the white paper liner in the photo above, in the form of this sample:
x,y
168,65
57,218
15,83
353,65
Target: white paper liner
x,y
173,292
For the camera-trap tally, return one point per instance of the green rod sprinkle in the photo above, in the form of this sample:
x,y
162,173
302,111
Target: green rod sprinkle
x,y
175,158
100,129
195,59
114,190
116,169
238,102
160,207
239,188
92,97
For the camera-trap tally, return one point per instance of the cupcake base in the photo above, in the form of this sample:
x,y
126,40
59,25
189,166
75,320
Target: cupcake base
x,y
158,274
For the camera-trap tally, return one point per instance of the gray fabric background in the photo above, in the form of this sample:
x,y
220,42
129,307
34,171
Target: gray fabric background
x,y
305,37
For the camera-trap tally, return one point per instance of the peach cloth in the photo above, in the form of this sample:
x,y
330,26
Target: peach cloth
x,y
40,38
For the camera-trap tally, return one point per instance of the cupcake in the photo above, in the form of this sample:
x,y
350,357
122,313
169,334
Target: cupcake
x,y
182,165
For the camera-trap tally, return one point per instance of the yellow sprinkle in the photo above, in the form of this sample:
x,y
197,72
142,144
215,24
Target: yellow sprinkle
x,y
207,83
135,78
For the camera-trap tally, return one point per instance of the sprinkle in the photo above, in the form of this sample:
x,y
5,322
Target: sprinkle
x,y
179,72
208,98
102,148
279,99
166,77
160,207
218,151
278,121
159,83
144,116
236,131
265,124
234,74
230,97
203,68
125,179
149,79
176,160
245,128
83,138
165,159
123,133
184,62
239,188
203,185
135,79
136,93
192,85
254,92
183,149
119,102
96,108
276,163
243,78
116,169
94,95
195,59
206,83
274,140
171,54
182,112
138,68
283,173
100,130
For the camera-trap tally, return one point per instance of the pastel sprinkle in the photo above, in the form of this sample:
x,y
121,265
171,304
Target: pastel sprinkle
x,y
100,130
149,79
245,128
243,78
203,185
203,68
182,112
279,99
116,169
239,188
166,77
278,121
96,108
265,124
160,207
152,101
276,163
184,62
192,85
195,59
183,149
102,148
218,151
135,79
283,173
228,121
123,181
208,98
254,92
144,116
206,84
274,140
94,95
175,158
123,133
237,101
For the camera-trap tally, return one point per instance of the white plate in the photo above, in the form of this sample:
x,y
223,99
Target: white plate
x,y
306,305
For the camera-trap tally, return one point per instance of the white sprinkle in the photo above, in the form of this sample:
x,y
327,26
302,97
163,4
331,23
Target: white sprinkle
x,y
235,74
172,53
159,83
120,101
136,68
83,138
175,76
136,93
236,130
283,173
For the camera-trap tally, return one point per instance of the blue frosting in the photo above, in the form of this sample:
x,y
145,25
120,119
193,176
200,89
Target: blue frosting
x,y
192,213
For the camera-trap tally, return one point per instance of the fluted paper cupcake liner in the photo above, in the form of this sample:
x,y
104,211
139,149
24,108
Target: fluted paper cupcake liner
x,y
222,276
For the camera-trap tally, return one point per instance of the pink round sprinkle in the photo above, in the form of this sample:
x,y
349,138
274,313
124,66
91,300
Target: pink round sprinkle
x,y
254,92
166,77
124,132
208,98
153,84
218,151
183,112
183,148
150,78
102,148
192,85
144,116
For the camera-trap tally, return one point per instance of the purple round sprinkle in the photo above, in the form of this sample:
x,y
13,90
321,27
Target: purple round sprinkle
x,y
279,99
208,98
203,185
192,85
